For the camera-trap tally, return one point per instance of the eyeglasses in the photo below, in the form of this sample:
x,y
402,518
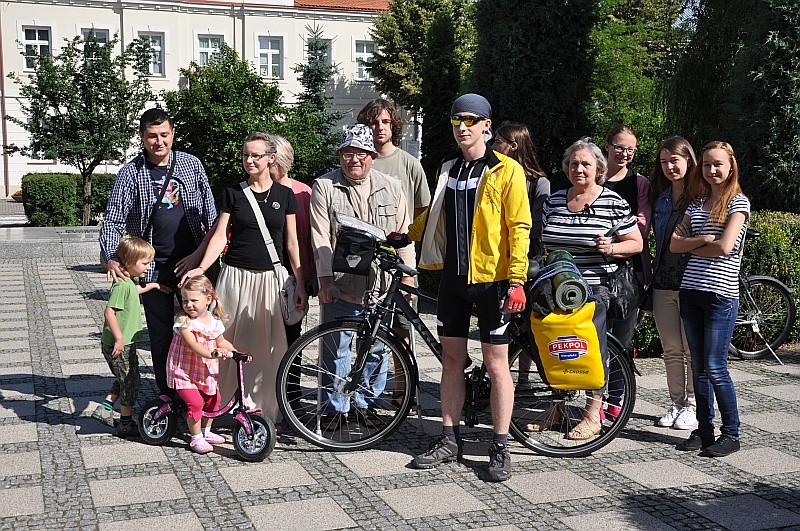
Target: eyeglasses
x,y
623,149
255,156
347,157
469,121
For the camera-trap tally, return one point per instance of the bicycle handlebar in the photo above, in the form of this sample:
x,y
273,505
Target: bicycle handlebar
x,y
241,356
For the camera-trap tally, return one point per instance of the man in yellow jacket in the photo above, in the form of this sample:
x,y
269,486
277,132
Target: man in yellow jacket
x,y
477,231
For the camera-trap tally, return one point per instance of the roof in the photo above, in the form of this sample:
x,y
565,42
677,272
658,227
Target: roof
x,y
344,5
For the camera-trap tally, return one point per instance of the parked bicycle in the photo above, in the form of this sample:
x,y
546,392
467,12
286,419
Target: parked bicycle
x,y
307,411
767,313
253,436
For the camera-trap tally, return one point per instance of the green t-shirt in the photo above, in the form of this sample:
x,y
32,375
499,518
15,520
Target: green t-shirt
x,y
402,165
125,299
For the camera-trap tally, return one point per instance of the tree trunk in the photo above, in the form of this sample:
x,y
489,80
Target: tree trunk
x,y
87,197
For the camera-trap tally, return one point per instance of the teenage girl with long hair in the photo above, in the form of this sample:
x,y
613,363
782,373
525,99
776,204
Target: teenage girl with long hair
x,y
514,140
712,230
675,161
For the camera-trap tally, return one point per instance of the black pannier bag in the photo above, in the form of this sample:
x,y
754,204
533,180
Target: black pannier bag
x,y
354,252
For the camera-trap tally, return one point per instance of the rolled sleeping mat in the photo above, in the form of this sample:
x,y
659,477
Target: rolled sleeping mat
x,y
569,290
558,256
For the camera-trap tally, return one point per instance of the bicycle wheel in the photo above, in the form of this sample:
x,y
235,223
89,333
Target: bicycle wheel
x,y
321,411
543,416
768,307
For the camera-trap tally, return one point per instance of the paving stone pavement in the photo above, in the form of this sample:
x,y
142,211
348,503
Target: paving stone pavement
x,y
62,470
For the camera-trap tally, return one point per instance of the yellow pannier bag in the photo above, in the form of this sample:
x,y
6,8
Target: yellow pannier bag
x,y
572,346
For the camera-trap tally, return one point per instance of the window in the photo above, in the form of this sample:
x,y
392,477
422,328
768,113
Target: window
x,y
100,35
36,41
207,45
364,52
157,48
328,44
270,57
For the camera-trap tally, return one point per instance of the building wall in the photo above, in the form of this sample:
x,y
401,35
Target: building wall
x,y
245,26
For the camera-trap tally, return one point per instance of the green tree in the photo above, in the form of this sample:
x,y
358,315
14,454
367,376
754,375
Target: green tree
x,y
441,84
533,65
221,104
314,109
400,36
699,100
629,44
765,95
81,108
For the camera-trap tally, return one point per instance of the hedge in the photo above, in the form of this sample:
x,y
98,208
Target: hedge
x,y
56,199
775,253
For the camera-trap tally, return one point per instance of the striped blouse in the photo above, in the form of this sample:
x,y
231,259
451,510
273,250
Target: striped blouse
x,y
718,274
575,231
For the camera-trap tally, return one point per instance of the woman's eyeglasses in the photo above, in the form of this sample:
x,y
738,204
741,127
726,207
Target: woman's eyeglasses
x,y
255,156
347,157
469,121
622,149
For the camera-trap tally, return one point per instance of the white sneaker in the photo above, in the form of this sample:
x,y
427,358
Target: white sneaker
x,y
669,417
686,420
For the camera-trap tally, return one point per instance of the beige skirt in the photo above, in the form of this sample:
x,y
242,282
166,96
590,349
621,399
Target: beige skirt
x,y
255,325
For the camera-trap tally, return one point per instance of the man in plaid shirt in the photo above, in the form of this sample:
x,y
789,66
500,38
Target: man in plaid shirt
x,y
179,223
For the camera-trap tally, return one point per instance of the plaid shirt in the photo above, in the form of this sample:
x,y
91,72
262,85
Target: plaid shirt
x,y
187,370
131,202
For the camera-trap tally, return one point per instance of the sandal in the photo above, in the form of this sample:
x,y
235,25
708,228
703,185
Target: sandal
x,y
552,420
584,430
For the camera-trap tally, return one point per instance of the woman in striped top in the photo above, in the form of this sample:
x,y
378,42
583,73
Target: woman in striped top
x,y
577,220
713,231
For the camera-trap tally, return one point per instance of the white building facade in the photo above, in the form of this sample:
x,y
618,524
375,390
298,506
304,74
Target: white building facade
x,y
271,34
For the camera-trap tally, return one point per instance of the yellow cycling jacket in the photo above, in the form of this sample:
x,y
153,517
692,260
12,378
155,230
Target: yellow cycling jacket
x,y
501,224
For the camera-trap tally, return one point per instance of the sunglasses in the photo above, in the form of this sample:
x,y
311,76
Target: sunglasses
x,y
469,121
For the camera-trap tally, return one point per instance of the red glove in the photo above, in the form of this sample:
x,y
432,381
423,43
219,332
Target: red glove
x,y
515,302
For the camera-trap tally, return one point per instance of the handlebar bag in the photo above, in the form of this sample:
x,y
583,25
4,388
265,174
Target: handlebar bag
x,y
354,252
572,346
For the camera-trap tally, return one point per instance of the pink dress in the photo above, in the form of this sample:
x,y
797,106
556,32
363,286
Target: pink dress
x,y
187,370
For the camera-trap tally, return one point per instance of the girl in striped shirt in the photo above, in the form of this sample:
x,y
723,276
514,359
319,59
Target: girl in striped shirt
x,y
193,360
712,230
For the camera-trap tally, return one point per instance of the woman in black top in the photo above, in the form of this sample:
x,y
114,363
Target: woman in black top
x,y
247,286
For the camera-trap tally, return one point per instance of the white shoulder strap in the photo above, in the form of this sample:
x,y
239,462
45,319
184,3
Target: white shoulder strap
x,y
248,193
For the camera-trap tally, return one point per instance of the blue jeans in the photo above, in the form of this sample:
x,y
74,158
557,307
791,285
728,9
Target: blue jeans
x,y
336,360
708,320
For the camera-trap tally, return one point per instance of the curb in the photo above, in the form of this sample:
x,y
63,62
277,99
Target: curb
x,y
38,242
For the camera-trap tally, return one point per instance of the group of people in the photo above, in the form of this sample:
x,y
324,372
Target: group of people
x,y
490,212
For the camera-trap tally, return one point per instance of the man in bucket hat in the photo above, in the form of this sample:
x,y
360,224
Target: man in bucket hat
x,y
358,190
476,230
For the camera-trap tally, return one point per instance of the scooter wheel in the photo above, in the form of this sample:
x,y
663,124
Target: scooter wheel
x,y
259,445
156,432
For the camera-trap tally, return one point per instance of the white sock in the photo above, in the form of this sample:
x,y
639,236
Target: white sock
x,y
206,431
198,436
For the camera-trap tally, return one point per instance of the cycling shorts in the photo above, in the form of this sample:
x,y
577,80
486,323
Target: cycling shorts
x,y
457,299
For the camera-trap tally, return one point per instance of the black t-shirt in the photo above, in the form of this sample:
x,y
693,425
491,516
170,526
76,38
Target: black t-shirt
x,y
246,248
171,235
459,207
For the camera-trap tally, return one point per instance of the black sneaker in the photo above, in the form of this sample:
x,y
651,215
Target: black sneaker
x,y
440,451
127,429
499,463
724,446
696,441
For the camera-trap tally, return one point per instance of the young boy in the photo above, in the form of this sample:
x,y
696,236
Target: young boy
x,y
122,329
